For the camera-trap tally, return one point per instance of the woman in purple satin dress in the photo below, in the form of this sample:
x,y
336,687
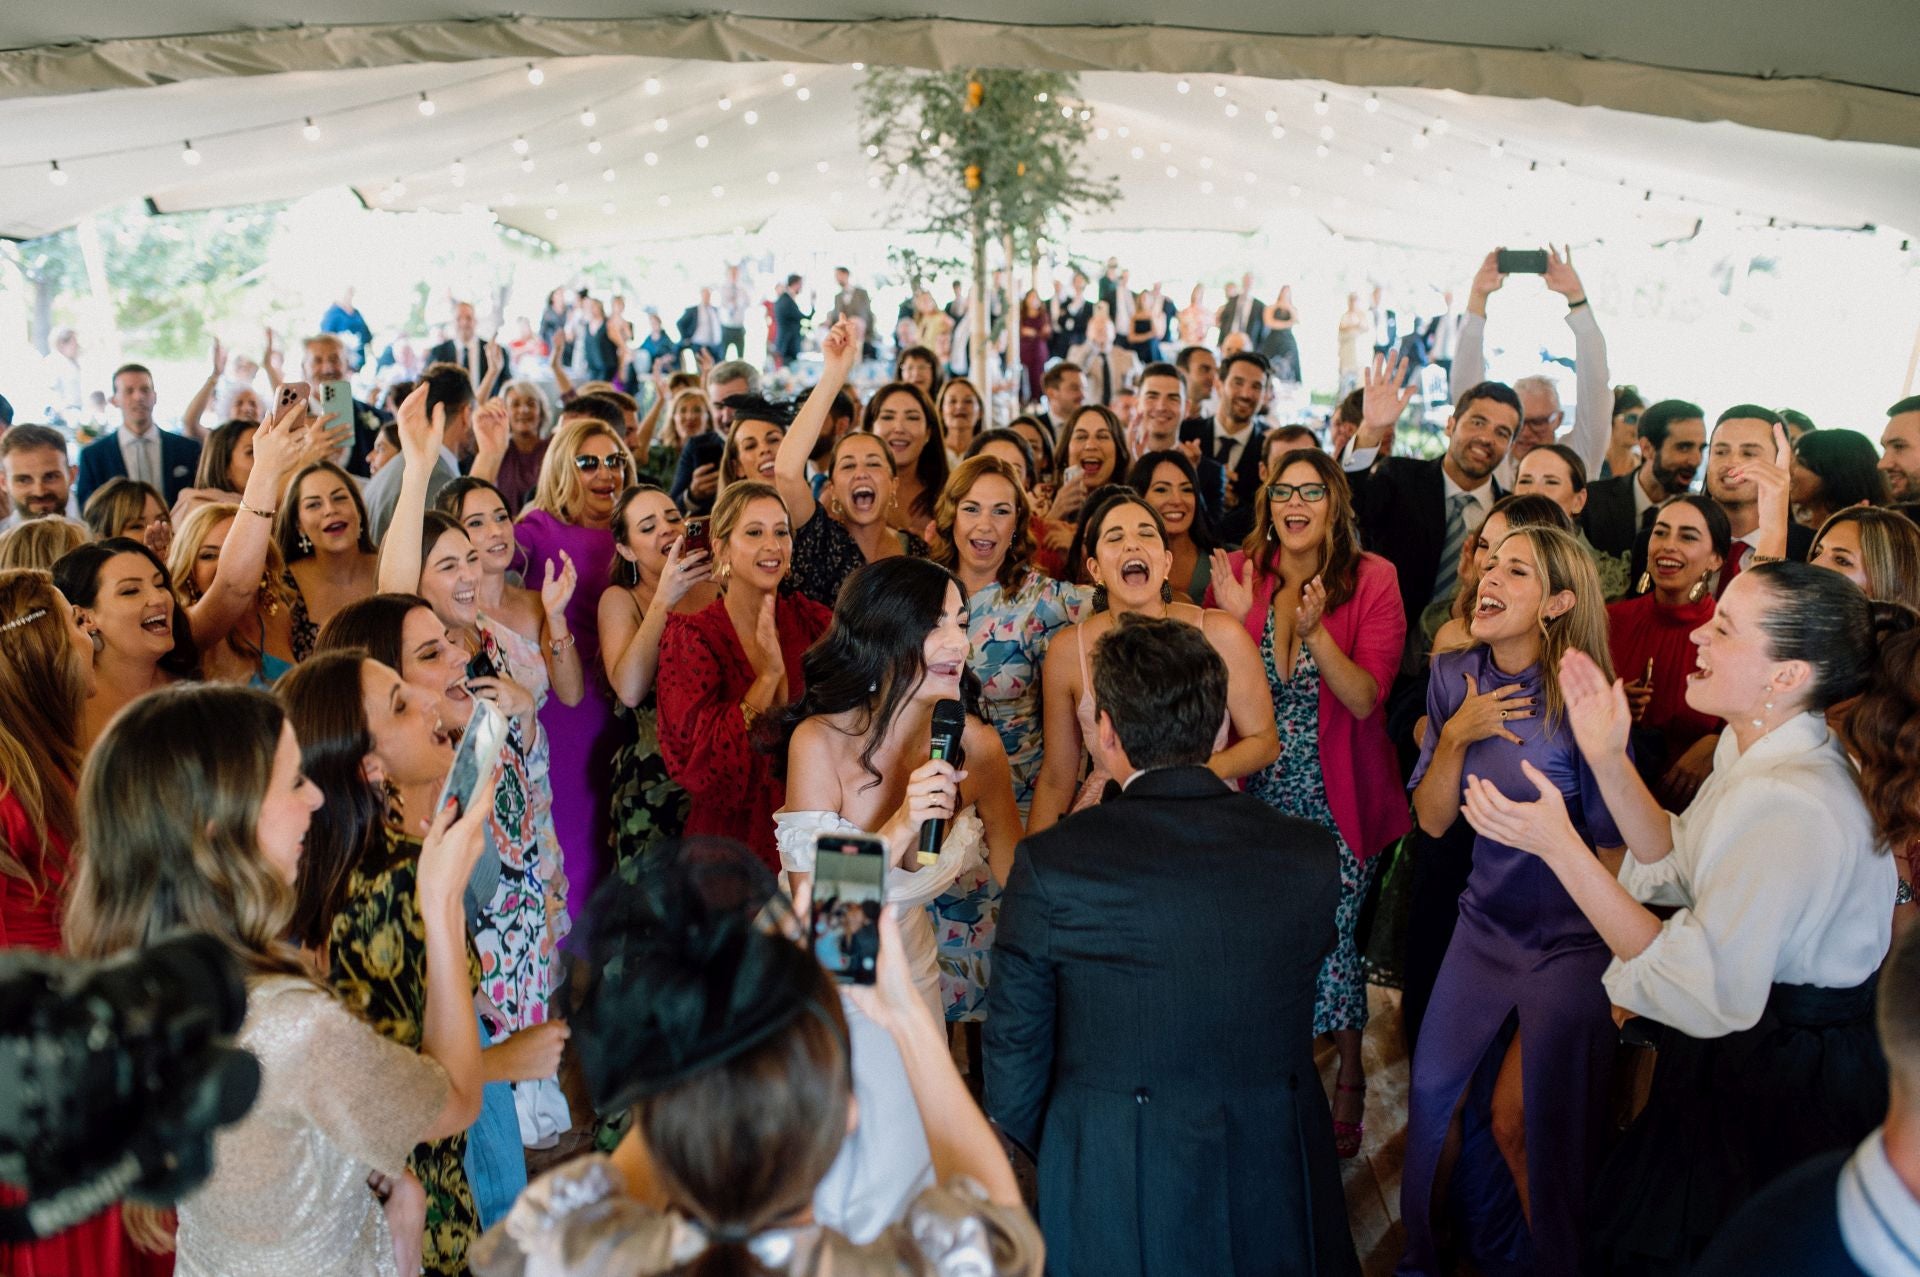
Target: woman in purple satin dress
x,y
1520,1028
586,467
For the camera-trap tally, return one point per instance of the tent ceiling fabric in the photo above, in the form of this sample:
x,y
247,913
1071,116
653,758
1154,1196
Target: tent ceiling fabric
x,y
1843,69
1207,159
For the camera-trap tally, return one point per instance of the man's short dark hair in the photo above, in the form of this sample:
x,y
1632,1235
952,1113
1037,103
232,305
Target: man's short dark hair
x,y
1161,369
1498,391
448,386
1752,410
1910,404
1352,408
600,408
1253,357
758,408
1052,377
1657,419
142,369
1164,688
25,436
792,280
1184,360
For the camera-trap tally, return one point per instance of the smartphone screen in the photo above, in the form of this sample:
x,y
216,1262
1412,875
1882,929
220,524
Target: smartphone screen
x,y
479,750
1522,261
849,888
481,666
697,536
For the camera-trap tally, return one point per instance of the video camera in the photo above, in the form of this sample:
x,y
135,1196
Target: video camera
x,y
114,1076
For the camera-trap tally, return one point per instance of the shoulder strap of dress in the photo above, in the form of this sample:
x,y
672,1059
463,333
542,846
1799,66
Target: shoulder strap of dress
x,y
1080,641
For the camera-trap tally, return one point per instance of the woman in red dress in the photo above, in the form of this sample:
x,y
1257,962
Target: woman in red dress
x,y
1673,743
728,665
46,676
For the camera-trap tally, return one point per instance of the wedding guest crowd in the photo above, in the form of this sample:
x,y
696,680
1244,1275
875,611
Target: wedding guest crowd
x,y
502,737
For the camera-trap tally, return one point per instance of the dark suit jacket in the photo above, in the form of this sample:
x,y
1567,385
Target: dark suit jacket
x,y
1402,507
448,352
689,324
1246,471
1791,1226
1256,320
367,421
1149,1034
101,461
787,318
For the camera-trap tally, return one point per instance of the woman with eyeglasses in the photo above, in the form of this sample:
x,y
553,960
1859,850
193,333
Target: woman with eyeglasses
x,y
1328,619
570,518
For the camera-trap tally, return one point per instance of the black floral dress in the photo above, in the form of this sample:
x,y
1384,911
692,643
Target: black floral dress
x,y
648,805
378,955
825,555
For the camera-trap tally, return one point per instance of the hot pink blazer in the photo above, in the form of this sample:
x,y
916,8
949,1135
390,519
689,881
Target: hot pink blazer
x,y
1360,770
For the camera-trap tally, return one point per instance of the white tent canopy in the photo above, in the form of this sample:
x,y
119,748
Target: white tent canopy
x,y
1491,119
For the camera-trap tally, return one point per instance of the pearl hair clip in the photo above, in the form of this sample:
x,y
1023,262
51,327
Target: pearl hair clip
x,y
19,621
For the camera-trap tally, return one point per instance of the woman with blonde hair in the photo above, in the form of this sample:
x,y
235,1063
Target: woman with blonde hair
x,y
123,507
1878,550
210,839
1518,1042
568,527
46,675
39,543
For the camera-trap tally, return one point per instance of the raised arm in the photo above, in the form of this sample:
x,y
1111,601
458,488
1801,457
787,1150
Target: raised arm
x,y
1593,400
490,439
1598,714
840,348
400,548
197,406
1387,387
277,448
1469,351
449,1032
630,640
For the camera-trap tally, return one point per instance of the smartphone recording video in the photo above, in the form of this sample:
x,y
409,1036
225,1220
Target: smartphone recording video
x,y
849,888
476,757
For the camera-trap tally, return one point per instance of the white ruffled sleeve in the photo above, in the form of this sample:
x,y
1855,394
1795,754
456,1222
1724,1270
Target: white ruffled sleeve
x,y
794,832
962,849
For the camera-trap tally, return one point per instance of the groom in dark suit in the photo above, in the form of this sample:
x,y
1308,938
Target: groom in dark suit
x,y
1149,1032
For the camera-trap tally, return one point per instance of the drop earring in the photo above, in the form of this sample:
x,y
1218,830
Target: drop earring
x,y
1698,591
1766,710
306,546
1646,580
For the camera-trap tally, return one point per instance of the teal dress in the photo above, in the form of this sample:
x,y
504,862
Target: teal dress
x,y
1010,633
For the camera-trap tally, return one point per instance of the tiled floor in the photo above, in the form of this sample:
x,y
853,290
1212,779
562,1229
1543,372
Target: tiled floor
x,y
1373,1178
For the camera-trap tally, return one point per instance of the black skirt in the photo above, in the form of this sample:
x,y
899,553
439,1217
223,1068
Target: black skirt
x,y
1727,1115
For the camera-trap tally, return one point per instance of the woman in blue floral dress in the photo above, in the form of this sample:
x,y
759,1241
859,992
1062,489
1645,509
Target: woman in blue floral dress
x,y
984,537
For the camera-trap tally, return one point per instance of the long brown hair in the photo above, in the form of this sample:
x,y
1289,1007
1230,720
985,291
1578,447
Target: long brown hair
x,y
1564,564
170,814
42,693
931,468
1889,552
1339,568
187,540
286,521
327,707
740,1147
1020,549
116,503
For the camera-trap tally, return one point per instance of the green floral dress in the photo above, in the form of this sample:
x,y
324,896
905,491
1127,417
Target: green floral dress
x,y
378,952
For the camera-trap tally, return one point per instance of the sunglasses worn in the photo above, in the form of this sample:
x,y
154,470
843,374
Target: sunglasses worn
x,y
587,465
1311,493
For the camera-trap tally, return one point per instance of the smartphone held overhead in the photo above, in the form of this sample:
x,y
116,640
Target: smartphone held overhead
x,y
1517,261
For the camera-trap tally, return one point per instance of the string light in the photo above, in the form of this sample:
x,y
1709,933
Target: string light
x,y
426,105
1232,110
188,155
1206,163
1273,115
726,104
587,118
803,93
660,124
789,79
1440,125
751,117
1386,156
593,146
526,165
701,141
553,215
1372,103
1138,153
1293,192
312,131
719,191
559,188
1123,132
1173,171
520,145
396,190
56,174
1279,131
652,158
859,66
821,167
535,76
1420,139
607,208
664,200
1498,149
1183,87
1322,106
1206,188
1367,170
606,175
652,86
1219,90
1321,151
1326,132
457,171
773,177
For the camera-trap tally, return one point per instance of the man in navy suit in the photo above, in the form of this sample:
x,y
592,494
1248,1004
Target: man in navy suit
x,y
475,357
1232,435
1149,1030
138,449
1854,1211
1159,405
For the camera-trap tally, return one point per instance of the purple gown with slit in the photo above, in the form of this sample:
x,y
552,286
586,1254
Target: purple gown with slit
x,y
1523,954
581,737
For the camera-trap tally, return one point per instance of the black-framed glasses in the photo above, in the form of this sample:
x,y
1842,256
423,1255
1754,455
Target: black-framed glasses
x,y
588,464
1311,493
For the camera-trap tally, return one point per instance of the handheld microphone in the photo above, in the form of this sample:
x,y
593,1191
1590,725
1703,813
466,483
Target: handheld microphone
x,y
949,725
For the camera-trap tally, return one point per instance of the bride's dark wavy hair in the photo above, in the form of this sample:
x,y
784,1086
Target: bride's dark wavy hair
x,y
873,656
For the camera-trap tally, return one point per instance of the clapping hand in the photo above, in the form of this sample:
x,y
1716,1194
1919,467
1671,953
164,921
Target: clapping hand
x,y
556,589
1232,591
1313,605
1540,827
1597,711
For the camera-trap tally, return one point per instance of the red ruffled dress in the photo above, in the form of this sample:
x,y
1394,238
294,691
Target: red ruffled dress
x,y
30,919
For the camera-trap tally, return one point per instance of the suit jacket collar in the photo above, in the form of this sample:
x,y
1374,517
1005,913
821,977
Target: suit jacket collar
x,y
1193,781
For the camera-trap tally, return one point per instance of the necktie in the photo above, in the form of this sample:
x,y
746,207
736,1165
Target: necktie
x,y
1449,574
1736,564
1106,378
1649,516
1110,791
1223,451
143,469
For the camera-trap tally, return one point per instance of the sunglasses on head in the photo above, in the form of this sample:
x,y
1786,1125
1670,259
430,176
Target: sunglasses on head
x,y
588,464
1309,492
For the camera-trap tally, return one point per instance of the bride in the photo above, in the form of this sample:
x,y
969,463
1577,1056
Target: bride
x,y
857,749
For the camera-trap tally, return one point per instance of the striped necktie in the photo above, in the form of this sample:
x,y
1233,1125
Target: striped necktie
x,y
1448,576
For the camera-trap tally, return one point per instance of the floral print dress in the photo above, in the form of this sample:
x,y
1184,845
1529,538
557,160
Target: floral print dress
x,y
1010,632
378,956
1292,785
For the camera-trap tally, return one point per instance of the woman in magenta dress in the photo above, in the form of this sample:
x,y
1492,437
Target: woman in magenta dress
x,y
46,675
1673,743
1519,1038
571,513
1036,330
727,666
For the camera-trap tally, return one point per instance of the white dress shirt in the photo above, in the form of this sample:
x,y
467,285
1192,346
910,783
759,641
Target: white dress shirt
x,y
1879,1218
1592,431
1781,878
141,455
706,327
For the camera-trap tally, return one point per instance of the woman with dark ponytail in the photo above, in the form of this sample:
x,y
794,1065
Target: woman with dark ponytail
x,y
1759,990
706,1015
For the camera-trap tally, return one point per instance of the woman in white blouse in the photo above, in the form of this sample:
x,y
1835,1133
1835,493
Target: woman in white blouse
x,y
1761,984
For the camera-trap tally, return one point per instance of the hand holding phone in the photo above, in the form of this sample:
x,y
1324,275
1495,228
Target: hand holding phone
x,y
697,538
476,760
1514,261
849,893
